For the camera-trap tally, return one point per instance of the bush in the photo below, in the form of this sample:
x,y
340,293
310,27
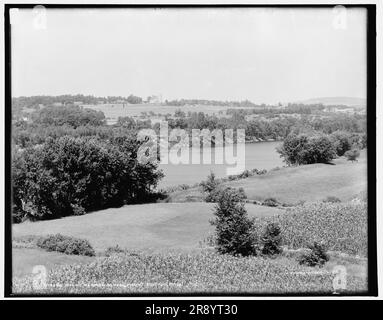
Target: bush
x,y
209,186
114,250
352,155
342,142
65,244
317,256
271,239
332,199
270,202
234,229
304,149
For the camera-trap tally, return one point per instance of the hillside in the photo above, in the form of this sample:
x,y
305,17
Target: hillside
x,y
291,185
159,226
347,101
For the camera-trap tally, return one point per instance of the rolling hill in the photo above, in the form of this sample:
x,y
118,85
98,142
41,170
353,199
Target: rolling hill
x,y
290,185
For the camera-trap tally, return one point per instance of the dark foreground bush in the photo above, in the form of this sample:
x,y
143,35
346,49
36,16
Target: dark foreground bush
x,y
272,240
234,229
72,176
317,256
65,244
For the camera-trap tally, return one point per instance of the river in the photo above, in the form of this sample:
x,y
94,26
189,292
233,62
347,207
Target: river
x,y
260,155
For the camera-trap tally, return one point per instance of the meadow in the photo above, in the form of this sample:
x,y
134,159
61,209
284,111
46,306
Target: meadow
x,y
292,185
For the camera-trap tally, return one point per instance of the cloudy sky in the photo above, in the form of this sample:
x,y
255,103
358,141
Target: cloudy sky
x,y
264,55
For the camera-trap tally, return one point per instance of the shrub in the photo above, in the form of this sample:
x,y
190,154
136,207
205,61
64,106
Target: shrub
x,y
234,229
114,250
66,244
270,202
304,149
271,239
352,155
332,199
342,142
209,186
317,256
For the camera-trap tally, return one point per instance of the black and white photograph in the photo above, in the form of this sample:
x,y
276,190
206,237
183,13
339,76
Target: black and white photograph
x,y
190,150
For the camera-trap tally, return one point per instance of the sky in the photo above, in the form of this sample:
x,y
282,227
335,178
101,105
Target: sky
x,y
265,55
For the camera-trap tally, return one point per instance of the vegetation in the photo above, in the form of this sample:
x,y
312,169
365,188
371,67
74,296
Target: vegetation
x,y
338,226
295,184
65,244
352,155
70,176
303,149
234,229
270,202
210,187
317,256
67,161
205,272
271,240
332,199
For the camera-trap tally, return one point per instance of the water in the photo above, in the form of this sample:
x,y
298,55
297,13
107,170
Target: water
x,y
261,155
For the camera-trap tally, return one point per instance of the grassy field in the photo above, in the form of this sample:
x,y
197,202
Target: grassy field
x,y
113,111
162,226
291,185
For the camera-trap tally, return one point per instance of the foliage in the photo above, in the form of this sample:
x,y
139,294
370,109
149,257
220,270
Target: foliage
x,y
317,256
65,244
342,142
271,239
352,155
71,176
234,229
73,116
134,99
304,149
270,202
210,187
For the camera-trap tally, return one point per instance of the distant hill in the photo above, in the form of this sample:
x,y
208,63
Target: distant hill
x,y
347,101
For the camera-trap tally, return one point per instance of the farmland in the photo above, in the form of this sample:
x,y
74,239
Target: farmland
x,y
113,111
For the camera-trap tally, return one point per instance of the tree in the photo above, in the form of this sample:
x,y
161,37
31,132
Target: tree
x,y
69,175
342,142
210,184
134,99
304,149
234,229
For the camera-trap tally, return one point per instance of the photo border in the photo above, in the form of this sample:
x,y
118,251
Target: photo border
x,y
371,147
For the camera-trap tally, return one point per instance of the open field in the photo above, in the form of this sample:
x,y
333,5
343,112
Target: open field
x,y
291,185
113,111
160,226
